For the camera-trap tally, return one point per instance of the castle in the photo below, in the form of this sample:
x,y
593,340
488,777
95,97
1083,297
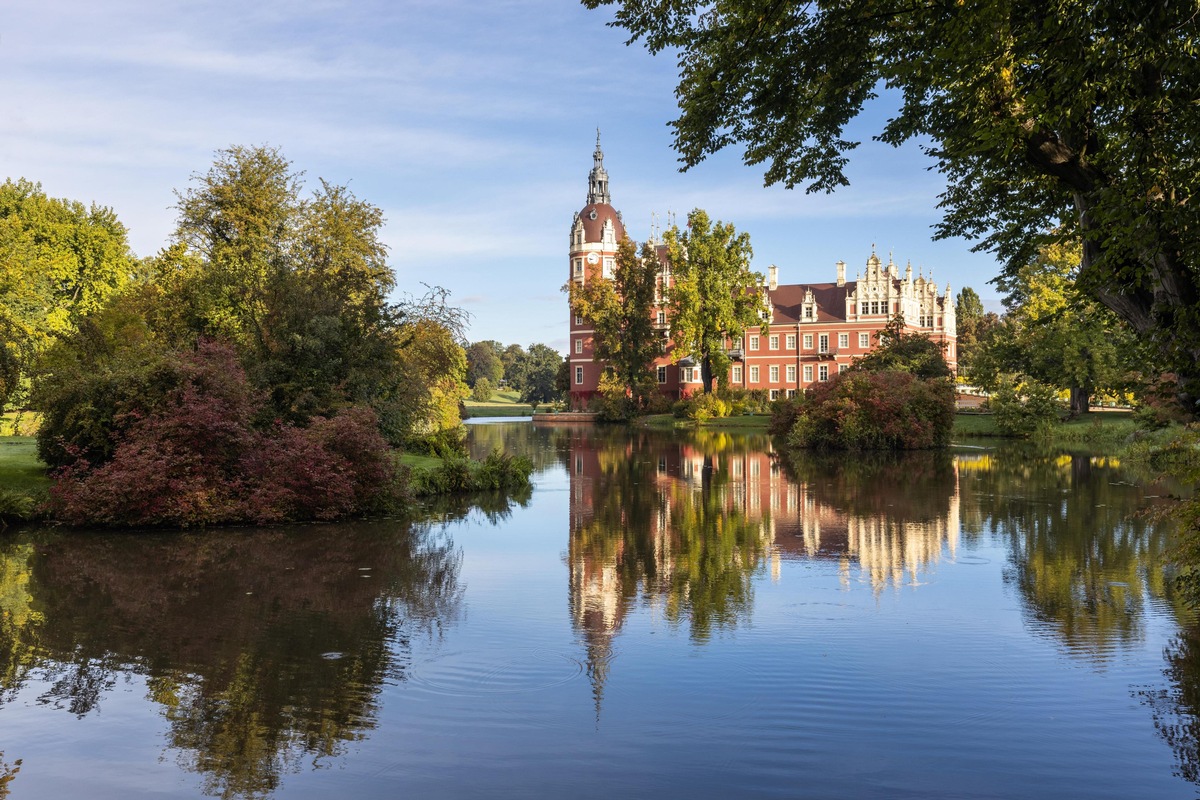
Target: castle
x,y
815,329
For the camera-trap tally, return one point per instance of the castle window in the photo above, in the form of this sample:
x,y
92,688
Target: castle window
x,y
754,374
791,373
808,312
662,374
874,306
662,318
579,266
808,341
864,309
579,345
841,368
808,373
579,374
609,266
774,394
864,340
791,392
791,341
737,374
843,340
823,343
774,373
753,343
823,372
773,342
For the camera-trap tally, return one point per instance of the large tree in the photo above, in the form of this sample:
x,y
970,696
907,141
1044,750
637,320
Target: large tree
x,y
59,261
539,367
621,312
1057,336
1080,116
714,295
972,324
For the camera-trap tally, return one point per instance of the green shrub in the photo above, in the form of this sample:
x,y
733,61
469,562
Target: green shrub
x,y
702,407
482,391
1031,410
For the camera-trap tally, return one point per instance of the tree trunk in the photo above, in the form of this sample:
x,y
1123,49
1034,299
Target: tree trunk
x,y
1081,400
706,373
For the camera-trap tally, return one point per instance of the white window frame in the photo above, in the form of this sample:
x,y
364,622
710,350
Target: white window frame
x,y
610,267
773,341
808,340
737,374
808,373
864,340
823,373
773,373
842,368
791,373
843,341
578,375
790,341
578,344
753,345
661,374
754,374
823,343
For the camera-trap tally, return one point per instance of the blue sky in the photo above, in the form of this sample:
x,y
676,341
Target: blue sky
x,y
471,124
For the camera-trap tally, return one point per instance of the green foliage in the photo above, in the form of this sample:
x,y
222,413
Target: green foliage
x,y
539,368
621,314
59,262
458,474
483,361
482,392
702,407
971,325
1082,117
874,410
1024,410
900,351
1057,336
714,295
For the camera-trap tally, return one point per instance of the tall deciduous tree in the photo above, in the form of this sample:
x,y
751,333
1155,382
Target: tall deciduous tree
x,y
483,361
1080,116
621,312
59,261
714,294
1059,337
972,324
539,368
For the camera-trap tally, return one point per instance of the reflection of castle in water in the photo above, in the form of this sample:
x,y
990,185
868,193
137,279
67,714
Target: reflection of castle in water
x,y
683,526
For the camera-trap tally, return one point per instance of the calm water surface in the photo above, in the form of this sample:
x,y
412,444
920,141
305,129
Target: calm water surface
x,y
664,616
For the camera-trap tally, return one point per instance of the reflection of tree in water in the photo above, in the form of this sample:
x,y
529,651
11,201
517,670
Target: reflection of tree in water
x,y
264,649
1084,560
544,445
652,519
1176,709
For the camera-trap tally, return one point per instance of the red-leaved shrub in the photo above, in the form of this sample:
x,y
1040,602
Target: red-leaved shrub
x,y
196,459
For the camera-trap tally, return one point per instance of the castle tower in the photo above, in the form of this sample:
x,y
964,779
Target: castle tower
x,y
595,232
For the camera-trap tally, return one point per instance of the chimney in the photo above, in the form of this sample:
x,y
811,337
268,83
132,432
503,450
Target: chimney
x,y
773,281
841,273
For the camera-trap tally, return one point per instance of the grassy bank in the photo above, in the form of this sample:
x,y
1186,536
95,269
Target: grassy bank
x,y
430,475
1100,428
23,481
502,404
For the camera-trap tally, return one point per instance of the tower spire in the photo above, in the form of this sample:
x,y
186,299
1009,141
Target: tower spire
x,y
598,177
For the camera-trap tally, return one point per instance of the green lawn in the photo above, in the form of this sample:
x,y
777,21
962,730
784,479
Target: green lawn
x,y
503,404
20,469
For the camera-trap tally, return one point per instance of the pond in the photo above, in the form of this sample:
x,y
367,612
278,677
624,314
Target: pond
x,y
665,615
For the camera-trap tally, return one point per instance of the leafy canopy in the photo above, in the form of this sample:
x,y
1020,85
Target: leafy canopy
x,y
1077,119
714,295
621,313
